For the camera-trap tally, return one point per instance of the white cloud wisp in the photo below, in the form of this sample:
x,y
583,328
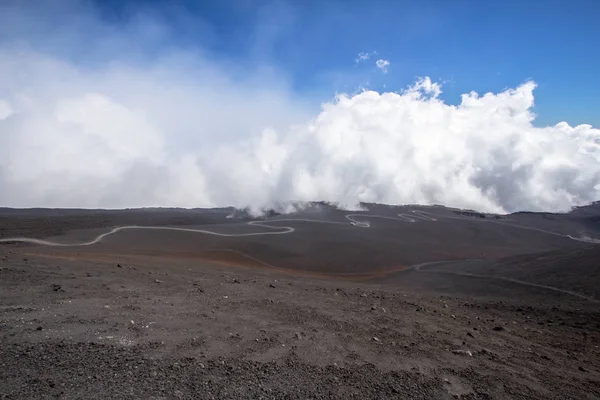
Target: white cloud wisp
x,y
363,56
382,65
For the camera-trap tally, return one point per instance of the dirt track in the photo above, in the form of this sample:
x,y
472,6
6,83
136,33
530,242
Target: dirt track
x,y
159,316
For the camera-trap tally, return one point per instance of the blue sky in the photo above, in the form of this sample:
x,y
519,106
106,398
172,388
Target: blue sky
x,y
468,45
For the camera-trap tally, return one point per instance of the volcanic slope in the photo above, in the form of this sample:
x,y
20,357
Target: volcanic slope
x,y
316,240
329,304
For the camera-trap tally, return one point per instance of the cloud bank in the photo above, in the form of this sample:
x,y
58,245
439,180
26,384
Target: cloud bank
x,y
184,129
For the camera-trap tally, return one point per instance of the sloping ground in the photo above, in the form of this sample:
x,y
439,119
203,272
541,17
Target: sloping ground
x,y
172,315
576,270
93,330
336,245
44,223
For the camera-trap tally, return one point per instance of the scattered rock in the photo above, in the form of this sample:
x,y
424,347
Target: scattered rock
x,y
463,353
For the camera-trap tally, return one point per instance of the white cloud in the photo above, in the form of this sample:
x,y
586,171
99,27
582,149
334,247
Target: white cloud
x,y
5,109
186,130
364,56
382,65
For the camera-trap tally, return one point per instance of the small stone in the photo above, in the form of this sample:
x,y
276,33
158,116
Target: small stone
x,y
376,339
119,266
39,328
157,281
56,287
582,369
463,352
498,328
271,285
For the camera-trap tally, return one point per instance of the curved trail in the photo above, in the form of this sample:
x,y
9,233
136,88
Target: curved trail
x,y
282,230
355,219
417,267
423,215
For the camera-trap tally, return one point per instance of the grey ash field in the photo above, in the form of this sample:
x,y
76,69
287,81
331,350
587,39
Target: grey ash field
x,y
392,303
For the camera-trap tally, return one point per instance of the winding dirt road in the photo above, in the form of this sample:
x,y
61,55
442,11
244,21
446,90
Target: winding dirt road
x,y
418,267
355,219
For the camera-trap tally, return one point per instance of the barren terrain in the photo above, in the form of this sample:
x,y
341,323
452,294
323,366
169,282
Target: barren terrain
x,y
394,302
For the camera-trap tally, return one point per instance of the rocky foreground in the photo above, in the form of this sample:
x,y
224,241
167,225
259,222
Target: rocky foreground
x,y
148,328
